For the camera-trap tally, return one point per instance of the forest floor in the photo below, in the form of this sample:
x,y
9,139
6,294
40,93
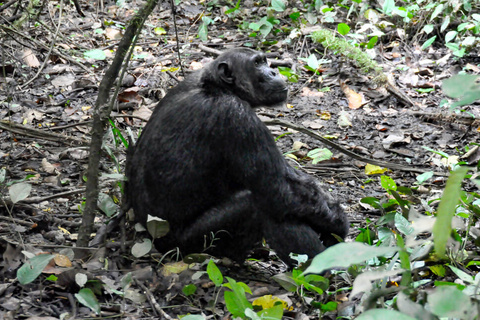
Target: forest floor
x,y
45,143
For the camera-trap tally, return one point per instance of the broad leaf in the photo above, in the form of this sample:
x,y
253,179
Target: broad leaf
x,y
344,254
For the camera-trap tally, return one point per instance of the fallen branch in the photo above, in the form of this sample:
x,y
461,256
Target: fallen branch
x,y
349,153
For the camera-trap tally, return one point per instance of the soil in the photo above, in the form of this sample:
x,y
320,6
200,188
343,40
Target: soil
x,y
60,101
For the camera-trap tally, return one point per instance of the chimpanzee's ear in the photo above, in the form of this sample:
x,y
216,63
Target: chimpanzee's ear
x,y
225,73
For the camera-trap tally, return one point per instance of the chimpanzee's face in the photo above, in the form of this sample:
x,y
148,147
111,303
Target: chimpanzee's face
x,y
270,87
246,73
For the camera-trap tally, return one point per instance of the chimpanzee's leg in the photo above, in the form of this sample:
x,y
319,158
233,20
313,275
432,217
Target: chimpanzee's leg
x,y
229,229
290,236
316,208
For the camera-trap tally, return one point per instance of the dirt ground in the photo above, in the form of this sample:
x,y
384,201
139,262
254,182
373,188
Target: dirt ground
x,y
52,156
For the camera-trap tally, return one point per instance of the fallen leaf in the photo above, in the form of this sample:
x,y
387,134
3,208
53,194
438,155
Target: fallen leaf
x,y
370,169
63,81
314,124
47,166
30,59
344,119
62,261
307,92
355,100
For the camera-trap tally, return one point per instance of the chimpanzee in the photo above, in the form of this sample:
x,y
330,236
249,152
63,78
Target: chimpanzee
x,y
207,164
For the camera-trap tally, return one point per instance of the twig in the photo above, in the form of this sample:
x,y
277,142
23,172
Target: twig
x,y
47,57
176,36
210,50
43,46
348,152
36,133
101,113
153,302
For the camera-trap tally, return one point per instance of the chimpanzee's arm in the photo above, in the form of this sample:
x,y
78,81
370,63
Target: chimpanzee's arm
x,y
283,193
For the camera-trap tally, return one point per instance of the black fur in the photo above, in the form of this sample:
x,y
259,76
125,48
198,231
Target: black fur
x,y
206,163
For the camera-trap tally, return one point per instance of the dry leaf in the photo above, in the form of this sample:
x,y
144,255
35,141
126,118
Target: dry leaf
x,y
47,167
307,92
355,100
113,34
63,81
30,59
62,261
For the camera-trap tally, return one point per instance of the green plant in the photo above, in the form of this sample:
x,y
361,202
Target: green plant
x,y
464,87
235,297
328,40
410,252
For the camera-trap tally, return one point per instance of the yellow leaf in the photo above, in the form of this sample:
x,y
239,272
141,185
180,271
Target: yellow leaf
x,y
371,169
65,231
268,301
62,261
174,268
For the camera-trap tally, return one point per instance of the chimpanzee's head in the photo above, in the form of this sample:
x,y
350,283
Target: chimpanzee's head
x,y
246,73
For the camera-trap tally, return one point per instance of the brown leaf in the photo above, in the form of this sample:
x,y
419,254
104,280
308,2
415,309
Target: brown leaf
x,y
30,59
355,100
62,261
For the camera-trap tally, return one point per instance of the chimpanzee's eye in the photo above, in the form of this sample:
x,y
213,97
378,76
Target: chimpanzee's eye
x,y
260,60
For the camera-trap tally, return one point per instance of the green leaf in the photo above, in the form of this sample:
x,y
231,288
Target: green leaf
x,y
157,227
371,43
449,302
319,154
140,249
275,312
203,32
382,314
403,225
450,198
19,191
366,236
95,54
33,267
106,204
237,6
235,300
388,183
374,202
294,16
287,72
462,26
278,5
429,42
445,24
343,28
468,41
3,173
428,28
344,254
87,298
440,153
214,273
462,275
438,270
312,62
285,280
424,177
388,7
329,306
437,11
193,317
254,26
159,31
189,289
